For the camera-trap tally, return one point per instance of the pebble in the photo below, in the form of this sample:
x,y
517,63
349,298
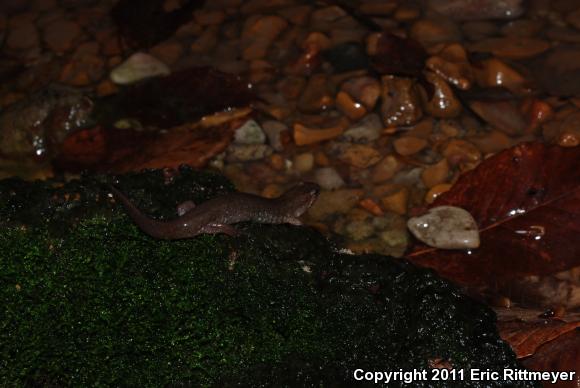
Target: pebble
x,y
317,95
247,152
206,41
479,30
435,174
446,227
167,52
352,109
22,36
459,151
137,67
328,178
61,34
452,64
366,130
250,133
85,67
385,169
360,156
443,104
511,47
304,163
492,142
339,201
258,35
493,73
401,101
304,135
478,9
359,230
346,57
409,145
436,191
396,202
298,14
273,130
205,17
573,19
429,32
502,115
365,90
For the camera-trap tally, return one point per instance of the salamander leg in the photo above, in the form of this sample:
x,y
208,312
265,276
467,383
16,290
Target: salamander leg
x,y
185,207
221,228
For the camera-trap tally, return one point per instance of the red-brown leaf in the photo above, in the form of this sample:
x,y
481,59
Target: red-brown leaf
x,y
526,202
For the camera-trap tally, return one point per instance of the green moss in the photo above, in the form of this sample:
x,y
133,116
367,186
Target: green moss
x,y
99,303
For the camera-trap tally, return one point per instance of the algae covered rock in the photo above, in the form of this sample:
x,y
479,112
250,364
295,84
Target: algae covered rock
x,y
95,302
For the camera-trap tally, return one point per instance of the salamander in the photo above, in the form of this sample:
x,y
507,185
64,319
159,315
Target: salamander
x,y
218,214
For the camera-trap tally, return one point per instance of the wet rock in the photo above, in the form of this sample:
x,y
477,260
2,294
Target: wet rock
x,y
435,174
303,163
365,90
492,142
291,87
326,16
396,202
453,65
259,34
328,178
247,152
502,115
366,130
335,202
137,67
206,17
23,35
298,14
430,32
523,28
61,34
409,145
478,9
360,156
348,56
443,104
446,227
249,133
377,8
559,71
494,73
385,169
85,67
36,126
167,52
359,230
479,30
563,34
206,41
436,191
401,101
461,152
273,130
349,107
511,47
317,95
304,135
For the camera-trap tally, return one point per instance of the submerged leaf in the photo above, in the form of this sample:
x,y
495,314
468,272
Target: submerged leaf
x,y
526,202
179,98
145,23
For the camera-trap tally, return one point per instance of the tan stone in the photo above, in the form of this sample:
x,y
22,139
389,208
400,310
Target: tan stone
x,y
385,169
360,156
401,101
436,191
511,47
396,202
460,152
409,145
303,163
205,17
106,88
304,135
317,96
258,34
349,107
443,103
335,202
61,34
167,52
435,174
206,41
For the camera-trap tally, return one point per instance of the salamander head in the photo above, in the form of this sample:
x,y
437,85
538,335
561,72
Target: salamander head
x,y
300,198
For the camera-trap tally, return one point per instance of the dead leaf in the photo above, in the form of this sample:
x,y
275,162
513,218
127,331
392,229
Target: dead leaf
x,y
526,202
562,355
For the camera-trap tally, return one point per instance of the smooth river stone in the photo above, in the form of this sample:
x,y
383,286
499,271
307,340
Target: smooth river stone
x,y
446,227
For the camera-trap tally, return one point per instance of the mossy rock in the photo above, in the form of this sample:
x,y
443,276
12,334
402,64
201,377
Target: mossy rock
x,y
89,300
